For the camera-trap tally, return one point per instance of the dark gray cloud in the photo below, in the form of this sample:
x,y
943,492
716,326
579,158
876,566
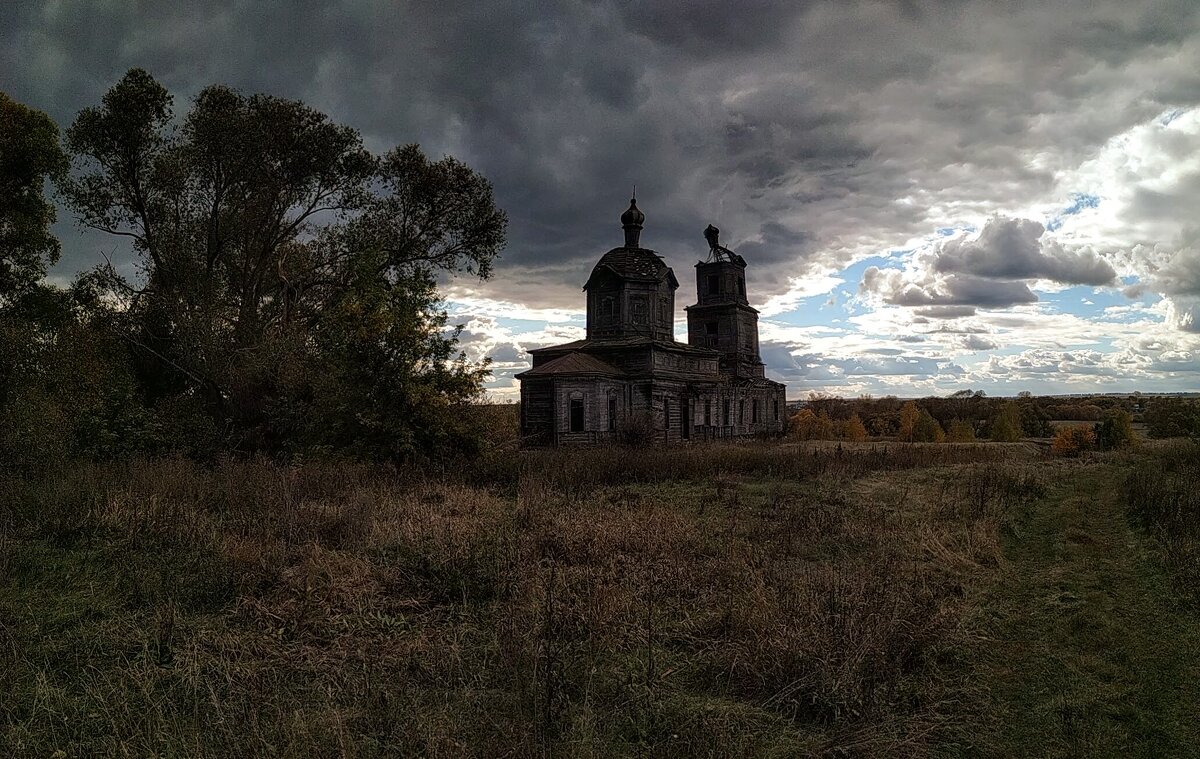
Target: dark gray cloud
x,y
814,133
817,118
951,291
978,343
945,312
1012,249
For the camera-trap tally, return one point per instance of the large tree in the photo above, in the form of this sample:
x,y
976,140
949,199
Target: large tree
x,y
288,275
29,155
65,387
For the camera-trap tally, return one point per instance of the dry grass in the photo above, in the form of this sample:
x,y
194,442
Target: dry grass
x,y
709,601
1161,496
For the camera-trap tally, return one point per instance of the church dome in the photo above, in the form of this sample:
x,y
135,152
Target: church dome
x,y
632,261
633,215
636,263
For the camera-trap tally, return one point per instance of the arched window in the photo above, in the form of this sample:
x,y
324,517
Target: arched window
x,y
637,309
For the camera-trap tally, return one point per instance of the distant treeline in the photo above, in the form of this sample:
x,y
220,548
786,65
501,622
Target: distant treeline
x,y
968,415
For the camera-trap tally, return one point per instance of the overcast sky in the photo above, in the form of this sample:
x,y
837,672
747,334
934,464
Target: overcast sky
x,y
930,195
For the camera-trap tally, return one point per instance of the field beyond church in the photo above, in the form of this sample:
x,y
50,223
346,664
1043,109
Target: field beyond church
x,y
757,599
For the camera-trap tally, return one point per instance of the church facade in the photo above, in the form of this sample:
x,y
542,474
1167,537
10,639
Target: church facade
x,y
629,376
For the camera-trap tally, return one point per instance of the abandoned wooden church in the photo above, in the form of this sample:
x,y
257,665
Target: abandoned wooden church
x,y
630,376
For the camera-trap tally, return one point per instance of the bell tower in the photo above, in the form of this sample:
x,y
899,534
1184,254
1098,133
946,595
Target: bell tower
x,y
722,318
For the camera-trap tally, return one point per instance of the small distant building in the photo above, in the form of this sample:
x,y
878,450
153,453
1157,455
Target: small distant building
x,y
630,373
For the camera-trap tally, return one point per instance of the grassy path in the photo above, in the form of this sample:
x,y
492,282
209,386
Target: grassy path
x,y
1085,650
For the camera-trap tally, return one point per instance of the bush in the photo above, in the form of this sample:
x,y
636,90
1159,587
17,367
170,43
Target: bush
x,y
636,430
1115,430
1006,426
806,425
960,432
909,414
926,429
851,429
1173,417
1035,422
1074,440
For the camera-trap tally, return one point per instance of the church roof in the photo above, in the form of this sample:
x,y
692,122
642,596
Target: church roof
x,y
572,363
633,263
632,341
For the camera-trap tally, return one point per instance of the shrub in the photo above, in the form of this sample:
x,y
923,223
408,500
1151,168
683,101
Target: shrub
x,y
1074,440
1035,422
806,425
636,430
1173,417
852,429
1115,430
909,414
960,432
1006,426
926,429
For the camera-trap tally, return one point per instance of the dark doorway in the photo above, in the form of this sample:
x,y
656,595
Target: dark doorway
x,y
576,415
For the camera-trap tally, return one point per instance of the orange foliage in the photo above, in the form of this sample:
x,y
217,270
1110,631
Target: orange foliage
x,y
1074,440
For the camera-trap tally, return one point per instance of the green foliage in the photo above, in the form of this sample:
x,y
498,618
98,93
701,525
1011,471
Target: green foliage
x,y
1006,426
1115,430
29,154
926,429
1173,417
290,275
909,415
66,387
1035,420
960,432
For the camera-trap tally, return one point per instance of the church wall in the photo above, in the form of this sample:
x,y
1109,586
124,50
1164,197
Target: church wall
x,y
627,360
671,361
729,280
537,412
546,406
631,308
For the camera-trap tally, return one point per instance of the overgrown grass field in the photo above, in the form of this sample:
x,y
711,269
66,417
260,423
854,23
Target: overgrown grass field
x,y
757,599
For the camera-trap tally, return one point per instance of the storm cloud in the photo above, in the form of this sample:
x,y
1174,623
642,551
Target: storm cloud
x,y
950,139
1012,249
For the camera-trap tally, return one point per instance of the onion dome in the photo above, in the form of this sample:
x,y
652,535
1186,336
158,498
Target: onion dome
x,y
632,221
633,215
632,261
